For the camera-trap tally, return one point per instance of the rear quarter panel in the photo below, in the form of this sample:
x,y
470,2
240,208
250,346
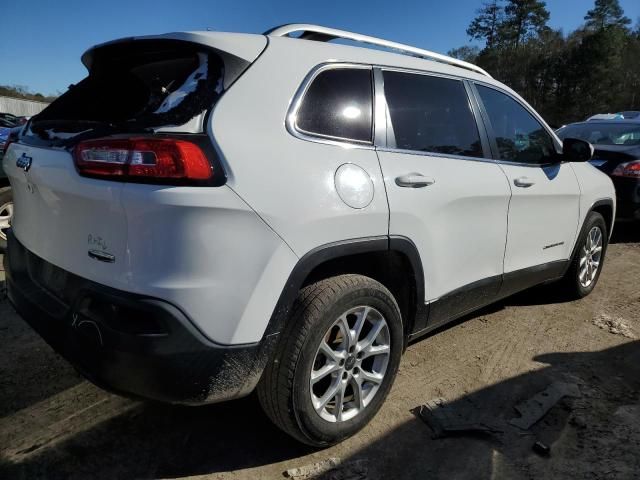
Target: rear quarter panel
x,y
289,181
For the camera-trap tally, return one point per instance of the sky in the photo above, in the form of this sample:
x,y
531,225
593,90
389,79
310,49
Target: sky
x,y
41,41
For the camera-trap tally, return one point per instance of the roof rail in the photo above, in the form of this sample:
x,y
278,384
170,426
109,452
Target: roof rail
x,y
326,34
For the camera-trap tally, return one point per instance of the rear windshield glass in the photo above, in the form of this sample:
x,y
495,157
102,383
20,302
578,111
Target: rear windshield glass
x,y
603,133
136,86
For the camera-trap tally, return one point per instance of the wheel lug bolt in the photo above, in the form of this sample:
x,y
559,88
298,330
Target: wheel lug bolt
x,y
356,371
345,375
342,362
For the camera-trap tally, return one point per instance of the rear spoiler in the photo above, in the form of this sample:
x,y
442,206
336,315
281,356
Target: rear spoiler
x,y
237,50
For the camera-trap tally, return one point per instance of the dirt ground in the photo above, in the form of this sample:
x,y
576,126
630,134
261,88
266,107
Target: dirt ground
x,y
53,424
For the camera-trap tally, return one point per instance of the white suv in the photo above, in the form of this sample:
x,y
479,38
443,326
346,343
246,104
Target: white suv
x,y
211,213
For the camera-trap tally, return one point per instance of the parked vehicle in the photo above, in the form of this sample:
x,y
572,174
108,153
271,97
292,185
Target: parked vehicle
x,y
631,114
204,217
6,198
8,121
617,153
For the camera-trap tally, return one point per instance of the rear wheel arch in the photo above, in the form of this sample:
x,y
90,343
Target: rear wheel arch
x,y
392,261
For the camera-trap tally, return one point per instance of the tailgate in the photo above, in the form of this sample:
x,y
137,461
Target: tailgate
x,y
73,222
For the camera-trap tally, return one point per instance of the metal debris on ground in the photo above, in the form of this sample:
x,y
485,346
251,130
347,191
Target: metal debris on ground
x,y
531,411
331,469
456,418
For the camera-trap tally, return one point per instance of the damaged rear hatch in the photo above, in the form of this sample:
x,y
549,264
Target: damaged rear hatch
x,y
138,117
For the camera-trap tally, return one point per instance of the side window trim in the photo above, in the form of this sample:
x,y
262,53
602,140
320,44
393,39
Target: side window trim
x,y
386,141
296,103
477,115
489,127
484,117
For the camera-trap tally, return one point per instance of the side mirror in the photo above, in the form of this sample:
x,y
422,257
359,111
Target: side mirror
x,y
575,150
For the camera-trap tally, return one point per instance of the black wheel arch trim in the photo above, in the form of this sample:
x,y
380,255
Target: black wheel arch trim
x,y
605,202
336,250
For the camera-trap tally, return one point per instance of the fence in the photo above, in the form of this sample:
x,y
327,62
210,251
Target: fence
x,y
20,107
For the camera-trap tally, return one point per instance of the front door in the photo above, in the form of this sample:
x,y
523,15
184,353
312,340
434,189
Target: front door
x,y
544,208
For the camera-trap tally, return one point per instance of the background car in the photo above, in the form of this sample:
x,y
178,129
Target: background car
x,y
617,153
630,114
6,196
8,121
605,116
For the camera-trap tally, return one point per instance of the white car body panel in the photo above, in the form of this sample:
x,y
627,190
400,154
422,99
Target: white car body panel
x,y
459,224
56,210
223,254
289,181
594,187
141,226
543,217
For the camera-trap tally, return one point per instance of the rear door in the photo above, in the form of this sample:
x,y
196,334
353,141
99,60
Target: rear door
x,y
444,193
62,217
545,203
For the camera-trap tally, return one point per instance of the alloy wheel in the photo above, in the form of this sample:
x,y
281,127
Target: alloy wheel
x,y
590,257
6,215
350,364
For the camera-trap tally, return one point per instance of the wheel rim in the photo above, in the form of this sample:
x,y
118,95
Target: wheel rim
x,y
350,364
6,214
590,257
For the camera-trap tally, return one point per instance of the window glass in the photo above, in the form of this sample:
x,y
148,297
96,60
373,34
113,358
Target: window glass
x,y
603,133
338,104
431,114
520,137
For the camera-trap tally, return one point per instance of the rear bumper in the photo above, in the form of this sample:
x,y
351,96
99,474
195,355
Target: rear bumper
x,y
127,343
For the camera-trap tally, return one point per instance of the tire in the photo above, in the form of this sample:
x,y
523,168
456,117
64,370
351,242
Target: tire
x,y
285,390
574,283
6,212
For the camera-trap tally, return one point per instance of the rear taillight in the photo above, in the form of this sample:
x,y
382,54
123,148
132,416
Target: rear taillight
x,y
162,159
628,169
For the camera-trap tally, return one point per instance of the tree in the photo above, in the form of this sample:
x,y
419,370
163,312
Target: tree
x,y
606,13
567,78
523,19
487,23
466,53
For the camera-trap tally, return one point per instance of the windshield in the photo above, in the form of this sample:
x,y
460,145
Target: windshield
x,y
603,133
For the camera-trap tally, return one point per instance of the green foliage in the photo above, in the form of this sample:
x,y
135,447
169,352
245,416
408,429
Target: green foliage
x,y
594,69
523,19
606,13
487,23
467,53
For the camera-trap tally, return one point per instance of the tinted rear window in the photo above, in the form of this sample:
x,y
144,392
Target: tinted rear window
x,y
338,104
138,85
431,114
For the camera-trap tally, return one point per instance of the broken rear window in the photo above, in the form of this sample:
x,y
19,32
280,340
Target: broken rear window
x,y
136,86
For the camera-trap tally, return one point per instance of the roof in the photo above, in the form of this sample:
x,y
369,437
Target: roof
x,y
326,34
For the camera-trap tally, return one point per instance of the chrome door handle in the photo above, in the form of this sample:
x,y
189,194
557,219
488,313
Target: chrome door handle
x,y
414,180
523,182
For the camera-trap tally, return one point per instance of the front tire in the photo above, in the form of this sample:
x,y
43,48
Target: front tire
x,y
586,265
336,360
